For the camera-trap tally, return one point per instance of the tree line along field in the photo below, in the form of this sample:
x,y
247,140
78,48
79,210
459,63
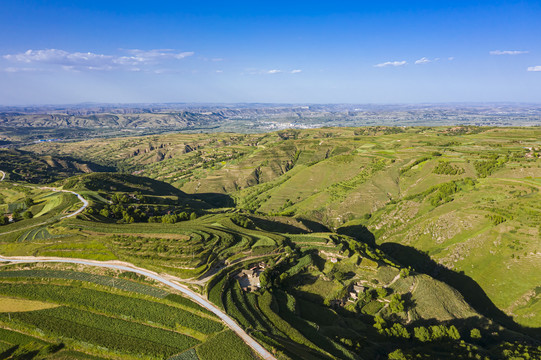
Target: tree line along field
x,y
439,226
104,315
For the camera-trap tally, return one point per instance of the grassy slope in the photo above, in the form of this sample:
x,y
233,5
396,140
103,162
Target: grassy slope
x,y
335,176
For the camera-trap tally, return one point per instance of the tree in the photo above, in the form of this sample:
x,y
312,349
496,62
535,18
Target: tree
x,y
379,323
16,214
475,334
382,292
397,355
397,304
264,280
28,215
453,333
28,202
398,330
404,273
193,216
421,333
4,220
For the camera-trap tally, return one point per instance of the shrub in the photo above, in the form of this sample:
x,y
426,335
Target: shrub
x,y
475,334
382,292
397,304
422,334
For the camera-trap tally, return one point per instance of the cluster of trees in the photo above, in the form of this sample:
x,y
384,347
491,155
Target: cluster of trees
x,y
126,208
397,304
487,167
20,213
443,195
416,162
421,333
124,213
120,198
395,330
445,168
242,221
172,218
4,220
496,219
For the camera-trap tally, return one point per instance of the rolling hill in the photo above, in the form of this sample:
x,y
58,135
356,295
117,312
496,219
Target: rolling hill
x,y
365,242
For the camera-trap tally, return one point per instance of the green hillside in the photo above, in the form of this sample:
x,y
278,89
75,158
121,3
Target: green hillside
x,y
326,243
447,191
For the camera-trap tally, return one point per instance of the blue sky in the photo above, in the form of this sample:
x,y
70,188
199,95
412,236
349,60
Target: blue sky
x,y
57,52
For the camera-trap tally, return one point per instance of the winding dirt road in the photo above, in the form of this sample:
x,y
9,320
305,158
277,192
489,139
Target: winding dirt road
x,y
79,196
130,267
162,279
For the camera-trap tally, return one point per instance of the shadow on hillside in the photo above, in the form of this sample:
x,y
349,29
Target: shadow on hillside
x,y
470,290
215,200
359,232
313,226
289,228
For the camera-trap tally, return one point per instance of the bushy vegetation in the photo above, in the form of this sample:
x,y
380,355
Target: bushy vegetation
x,y
487,167
445,168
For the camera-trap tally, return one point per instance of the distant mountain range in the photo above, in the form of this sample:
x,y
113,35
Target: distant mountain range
x,y
262,117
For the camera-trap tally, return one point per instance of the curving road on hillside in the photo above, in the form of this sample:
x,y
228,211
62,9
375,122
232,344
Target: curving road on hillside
x,y
153,275
79,196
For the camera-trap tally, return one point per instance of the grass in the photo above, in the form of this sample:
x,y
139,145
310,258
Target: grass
x,y
10,305
225,345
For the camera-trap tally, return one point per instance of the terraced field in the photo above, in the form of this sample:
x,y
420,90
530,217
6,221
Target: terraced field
x,y
350,243
101,315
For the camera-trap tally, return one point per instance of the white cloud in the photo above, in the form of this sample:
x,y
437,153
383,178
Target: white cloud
x,y
450,58
423,60
534,68
391,63
508,52
78,61
273,71
296,71
16,69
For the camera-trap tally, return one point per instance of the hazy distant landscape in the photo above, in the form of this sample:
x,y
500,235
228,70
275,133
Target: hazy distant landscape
x,y
60,123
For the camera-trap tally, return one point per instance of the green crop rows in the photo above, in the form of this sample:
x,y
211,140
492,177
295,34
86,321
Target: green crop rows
x,y
115,334
120,284
167,316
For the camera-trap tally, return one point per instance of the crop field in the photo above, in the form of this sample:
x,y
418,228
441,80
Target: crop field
x,y
11,305
105,316
118,283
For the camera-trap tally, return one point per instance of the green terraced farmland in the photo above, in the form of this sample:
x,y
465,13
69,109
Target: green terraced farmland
x,y
103,315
